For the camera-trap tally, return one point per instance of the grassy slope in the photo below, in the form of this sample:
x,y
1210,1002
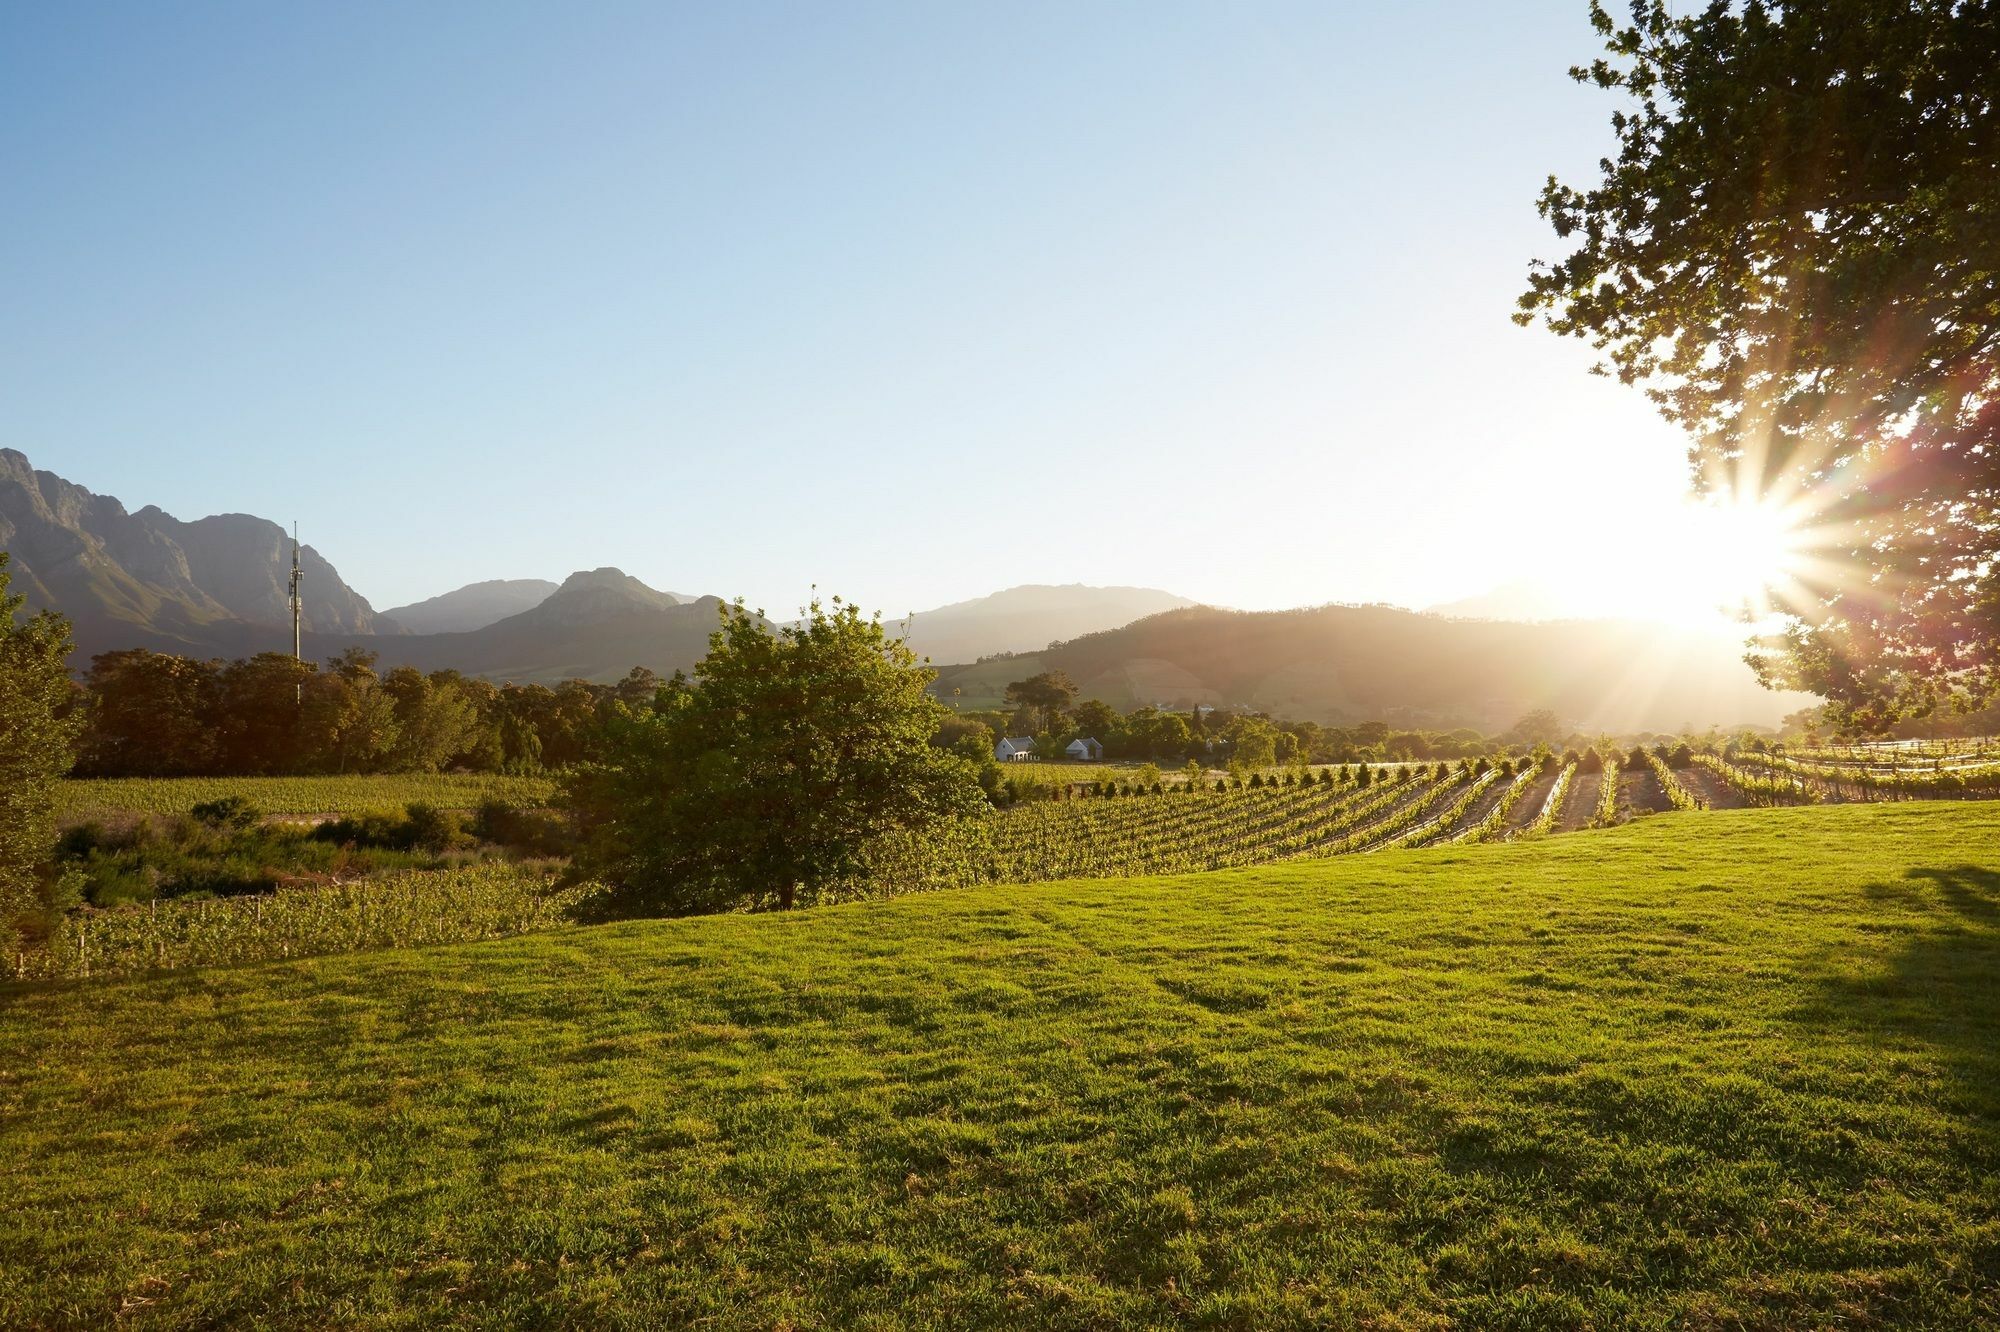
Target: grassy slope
x,y
1722,1070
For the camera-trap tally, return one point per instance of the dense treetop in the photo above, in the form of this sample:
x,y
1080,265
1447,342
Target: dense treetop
x,y
770,777
1796,248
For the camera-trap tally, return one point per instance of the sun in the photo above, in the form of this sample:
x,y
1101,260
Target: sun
x,y
1746,553
1706,562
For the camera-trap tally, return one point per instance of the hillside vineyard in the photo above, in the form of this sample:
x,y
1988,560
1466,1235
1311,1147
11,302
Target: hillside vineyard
x,y
1114,828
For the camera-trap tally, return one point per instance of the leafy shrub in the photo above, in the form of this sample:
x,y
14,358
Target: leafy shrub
x,y
79,840
367,830
433,829
231,811
534,830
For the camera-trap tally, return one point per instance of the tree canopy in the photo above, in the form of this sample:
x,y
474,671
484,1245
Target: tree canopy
x,y
770,777
155,715
1048,694
1796,249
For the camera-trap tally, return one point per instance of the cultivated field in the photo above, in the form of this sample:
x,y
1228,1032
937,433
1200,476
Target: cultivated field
x,y
1177,830
1724,1070
403,909
1122,829
345,795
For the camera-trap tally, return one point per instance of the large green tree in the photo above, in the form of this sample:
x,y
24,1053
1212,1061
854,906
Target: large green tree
x,y
1048,694
361,714
1796,248
38,728
150,715
435,719
1253,741
769,778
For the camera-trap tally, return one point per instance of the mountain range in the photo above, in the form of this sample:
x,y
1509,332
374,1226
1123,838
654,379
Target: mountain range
x,y
147,578
217,587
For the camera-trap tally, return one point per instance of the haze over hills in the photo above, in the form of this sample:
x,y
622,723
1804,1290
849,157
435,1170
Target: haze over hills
x,y
1029,617
1356,663
471,607
216,587
1526,601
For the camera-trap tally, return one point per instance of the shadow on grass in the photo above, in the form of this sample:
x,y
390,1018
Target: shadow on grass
x,y
1937,991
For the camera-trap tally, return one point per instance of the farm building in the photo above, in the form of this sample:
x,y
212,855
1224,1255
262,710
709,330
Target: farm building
x,y
1015,749
1086,749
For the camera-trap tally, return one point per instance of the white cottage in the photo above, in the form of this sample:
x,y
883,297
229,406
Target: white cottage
x,y
1086,749
1015,749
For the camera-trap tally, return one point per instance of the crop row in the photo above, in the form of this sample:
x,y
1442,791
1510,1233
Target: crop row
x,y
1607,796
1452,813
1385,832
1496,818
1677,795
1178,834
1907,753
1904,781
1545,822
1760,788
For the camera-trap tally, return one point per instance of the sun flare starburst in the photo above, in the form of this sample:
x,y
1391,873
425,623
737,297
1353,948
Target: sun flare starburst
x,y
1747,554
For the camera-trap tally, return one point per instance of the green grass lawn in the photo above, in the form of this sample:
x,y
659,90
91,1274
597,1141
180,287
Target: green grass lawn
x,y
1726,1070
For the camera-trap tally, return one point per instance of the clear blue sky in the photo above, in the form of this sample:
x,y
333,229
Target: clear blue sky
x,y
913,301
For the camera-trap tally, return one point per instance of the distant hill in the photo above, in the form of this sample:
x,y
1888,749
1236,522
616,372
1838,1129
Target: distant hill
x,y
473,606
590,597
218,587
1525,600
1030,617
150,579
1354,663
597,626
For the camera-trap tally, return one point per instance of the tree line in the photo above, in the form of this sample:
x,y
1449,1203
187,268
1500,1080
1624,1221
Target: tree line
x,y
1047,707
153,714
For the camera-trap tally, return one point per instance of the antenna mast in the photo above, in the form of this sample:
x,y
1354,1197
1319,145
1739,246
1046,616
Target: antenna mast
x,y
298,687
